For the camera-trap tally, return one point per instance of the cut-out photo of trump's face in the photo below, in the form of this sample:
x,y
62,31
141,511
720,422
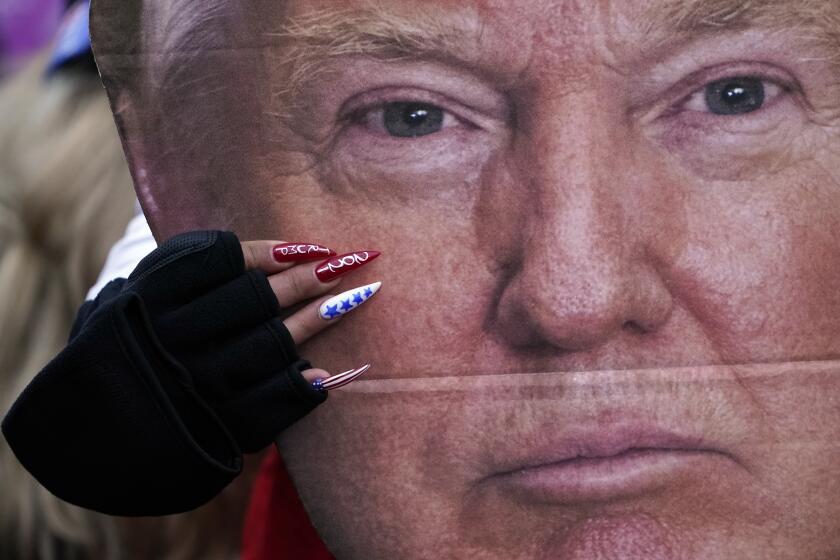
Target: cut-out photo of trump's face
x,y
610,237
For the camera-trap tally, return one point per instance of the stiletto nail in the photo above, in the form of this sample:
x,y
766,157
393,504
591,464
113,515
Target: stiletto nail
x,y
340,379
297,252
347,301
331,269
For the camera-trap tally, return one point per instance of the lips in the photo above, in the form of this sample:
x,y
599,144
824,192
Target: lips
x,y
603,463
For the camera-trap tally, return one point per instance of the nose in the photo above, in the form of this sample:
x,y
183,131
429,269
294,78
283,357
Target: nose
x,y
586,269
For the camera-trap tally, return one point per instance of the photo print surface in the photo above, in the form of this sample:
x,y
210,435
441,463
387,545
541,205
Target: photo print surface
x,y
609,318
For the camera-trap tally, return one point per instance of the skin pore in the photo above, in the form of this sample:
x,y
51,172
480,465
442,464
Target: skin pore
x,y
594,217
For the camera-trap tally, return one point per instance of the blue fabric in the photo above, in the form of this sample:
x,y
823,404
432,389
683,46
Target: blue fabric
x,y
73,40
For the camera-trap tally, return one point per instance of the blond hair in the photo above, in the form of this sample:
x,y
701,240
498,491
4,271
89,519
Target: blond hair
x,y
65,197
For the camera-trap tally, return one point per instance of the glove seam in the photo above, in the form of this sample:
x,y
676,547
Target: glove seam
x,y
262,294
237,265
283,340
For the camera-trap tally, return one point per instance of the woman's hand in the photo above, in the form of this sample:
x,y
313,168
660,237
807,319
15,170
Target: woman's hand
x,y
215,304
294,278
171,374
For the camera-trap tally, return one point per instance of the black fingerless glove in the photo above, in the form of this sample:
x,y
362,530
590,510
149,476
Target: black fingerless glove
x,y
168,377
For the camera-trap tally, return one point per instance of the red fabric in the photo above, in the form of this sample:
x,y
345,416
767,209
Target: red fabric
x,y
276,525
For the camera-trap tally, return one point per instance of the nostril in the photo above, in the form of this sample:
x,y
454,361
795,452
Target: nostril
x,y
633,327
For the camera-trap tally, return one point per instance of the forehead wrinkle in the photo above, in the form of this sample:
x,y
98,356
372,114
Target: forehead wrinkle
x,y
310,42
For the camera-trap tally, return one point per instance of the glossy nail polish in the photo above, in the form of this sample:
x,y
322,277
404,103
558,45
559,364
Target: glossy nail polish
x,y
298,252
347,301
332,268
340,379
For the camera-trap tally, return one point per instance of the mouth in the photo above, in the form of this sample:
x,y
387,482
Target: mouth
x,y
607,464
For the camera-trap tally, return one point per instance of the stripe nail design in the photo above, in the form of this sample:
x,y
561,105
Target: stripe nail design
x,y
296,252
340,379
347,301
331,269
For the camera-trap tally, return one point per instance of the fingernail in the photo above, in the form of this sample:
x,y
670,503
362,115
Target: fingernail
x,y
347,301
297,252
339,380
331,269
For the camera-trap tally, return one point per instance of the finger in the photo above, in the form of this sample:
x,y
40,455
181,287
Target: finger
x,y
319,314
341,379
243,360
322,381
299,284
185,265
305,282
277,256
314,373
305,324
241,304
256,416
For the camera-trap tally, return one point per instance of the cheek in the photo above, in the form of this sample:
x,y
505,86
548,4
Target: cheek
x,y
761,268
436,281
749,147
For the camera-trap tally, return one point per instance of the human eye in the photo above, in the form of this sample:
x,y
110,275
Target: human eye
x,y
735,95
405,119
722,120
421,133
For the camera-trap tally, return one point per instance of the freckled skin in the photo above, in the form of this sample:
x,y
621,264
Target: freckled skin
x,y
591,224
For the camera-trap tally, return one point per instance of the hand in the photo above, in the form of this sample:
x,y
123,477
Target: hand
x,y
294,278
171,374
213,303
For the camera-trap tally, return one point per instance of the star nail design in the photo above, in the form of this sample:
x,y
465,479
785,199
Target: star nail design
x,y
341,304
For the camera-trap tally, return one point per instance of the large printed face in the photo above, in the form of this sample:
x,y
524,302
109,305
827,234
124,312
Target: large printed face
x,y
611,251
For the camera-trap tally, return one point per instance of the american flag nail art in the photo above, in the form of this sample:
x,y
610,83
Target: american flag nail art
x,y
347,301
340,379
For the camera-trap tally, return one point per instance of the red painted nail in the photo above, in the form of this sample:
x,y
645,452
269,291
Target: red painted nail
x,y
297,252
331,269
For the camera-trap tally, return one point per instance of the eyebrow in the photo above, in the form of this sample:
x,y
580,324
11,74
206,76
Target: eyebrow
x,y
311,41
814,19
